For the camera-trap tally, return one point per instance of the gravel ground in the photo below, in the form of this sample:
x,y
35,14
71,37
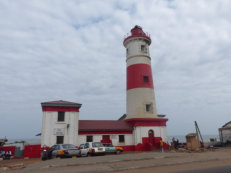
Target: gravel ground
x,y
124,163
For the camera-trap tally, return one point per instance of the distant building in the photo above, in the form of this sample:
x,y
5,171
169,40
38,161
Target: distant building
x,y
225,132
192,141
141,128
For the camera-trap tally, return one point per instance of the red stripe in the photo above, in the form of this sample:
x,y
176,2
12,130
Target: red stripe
x,y
60,108
147,121
104,132
128,147
135,76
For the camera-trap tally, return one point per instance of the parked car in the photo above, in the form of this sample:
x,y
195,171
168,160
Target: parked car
x,y
109,148
92,148
60,150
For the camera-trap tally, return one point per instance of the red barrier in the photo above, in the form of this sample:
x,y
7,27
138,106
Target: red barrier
x,y
32,151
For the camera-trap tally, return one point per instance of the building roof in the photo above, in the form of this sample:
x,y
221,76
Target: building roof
x,y
61,103
104,125
227,125
191,134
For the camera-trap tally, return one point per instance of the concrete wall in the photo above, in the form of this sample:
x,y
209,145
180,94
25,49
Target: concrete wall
x,y
52,128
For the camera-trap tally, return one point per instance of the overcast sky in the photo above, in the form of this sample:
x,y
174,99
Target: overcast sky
x,y
72,50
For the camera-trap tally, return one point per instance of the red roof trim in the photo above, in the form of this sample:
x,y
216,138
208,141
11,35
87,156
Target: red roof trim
x,y
147,121
104,132
59,109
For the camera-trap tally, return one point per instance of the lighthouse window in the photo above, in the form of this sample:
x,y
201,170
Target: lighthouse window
x,y
146,79
61,116
143,48
127,51
148,107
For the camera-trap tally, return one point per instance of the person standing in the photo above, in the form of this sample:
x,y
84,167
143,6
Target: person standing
x,y
9,154
161,145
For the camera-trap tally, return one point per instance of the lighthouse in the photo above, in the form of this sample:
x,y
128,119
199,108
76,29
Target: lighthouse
x,y
141,110
140,89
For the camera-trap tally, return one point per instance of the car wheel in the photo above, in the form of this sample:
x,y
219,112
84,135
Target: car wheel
x,y
89,154
118,152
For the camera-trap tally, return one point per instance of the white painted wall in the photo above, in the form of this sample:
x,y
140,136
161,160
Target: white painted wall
x,y
225,135
134,47
137,99
142,131
50,126
129,140
138,60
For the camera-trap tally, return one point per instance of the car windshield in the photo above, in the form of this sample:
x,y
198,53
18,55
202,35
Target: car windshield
x,y
81,146
97,144
68,146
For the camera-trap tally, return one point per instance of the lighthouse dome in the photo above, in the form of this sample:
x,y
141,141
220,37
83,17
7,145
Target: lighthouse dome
x,y
137,31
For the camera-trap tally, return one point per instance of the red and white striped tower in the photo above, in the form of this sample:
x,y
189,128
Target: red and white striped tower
x,y
141,105
140,90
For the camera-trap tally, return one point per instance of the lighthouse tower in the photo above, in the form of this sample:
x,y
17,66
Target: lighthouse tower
x,y
140,90
141,105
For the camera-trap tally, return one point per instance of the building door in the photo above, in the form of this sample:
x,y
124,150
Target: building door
x,y
106,139
151,137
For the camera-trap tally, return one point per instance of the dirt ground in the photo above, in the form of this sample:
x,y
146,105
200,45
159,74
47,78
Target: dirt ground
x,y
15,162
125,163
180,167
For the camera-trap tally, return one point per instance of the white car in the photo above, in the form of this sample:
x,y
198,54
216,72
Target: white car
x,y
92,148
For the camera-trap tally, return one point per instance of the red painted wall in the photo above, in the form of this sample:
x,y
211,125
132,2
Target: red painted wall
x,y
32,151
60,108
128,147
135,74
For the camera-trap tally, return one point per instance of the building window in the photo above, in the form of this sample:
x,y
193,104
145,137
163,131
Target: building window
x,y
121,139
127,50
59,139
143,48
61,116
89,139
146,79
148,107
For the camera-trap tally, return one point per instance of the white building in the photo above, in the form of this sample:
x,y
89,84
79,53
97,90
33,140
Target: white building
x,y
60,122
141,128
225,132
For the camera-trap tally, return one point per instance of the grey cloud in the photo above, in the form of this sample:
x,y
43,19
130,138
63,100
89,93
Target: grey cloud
x,y
73,51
